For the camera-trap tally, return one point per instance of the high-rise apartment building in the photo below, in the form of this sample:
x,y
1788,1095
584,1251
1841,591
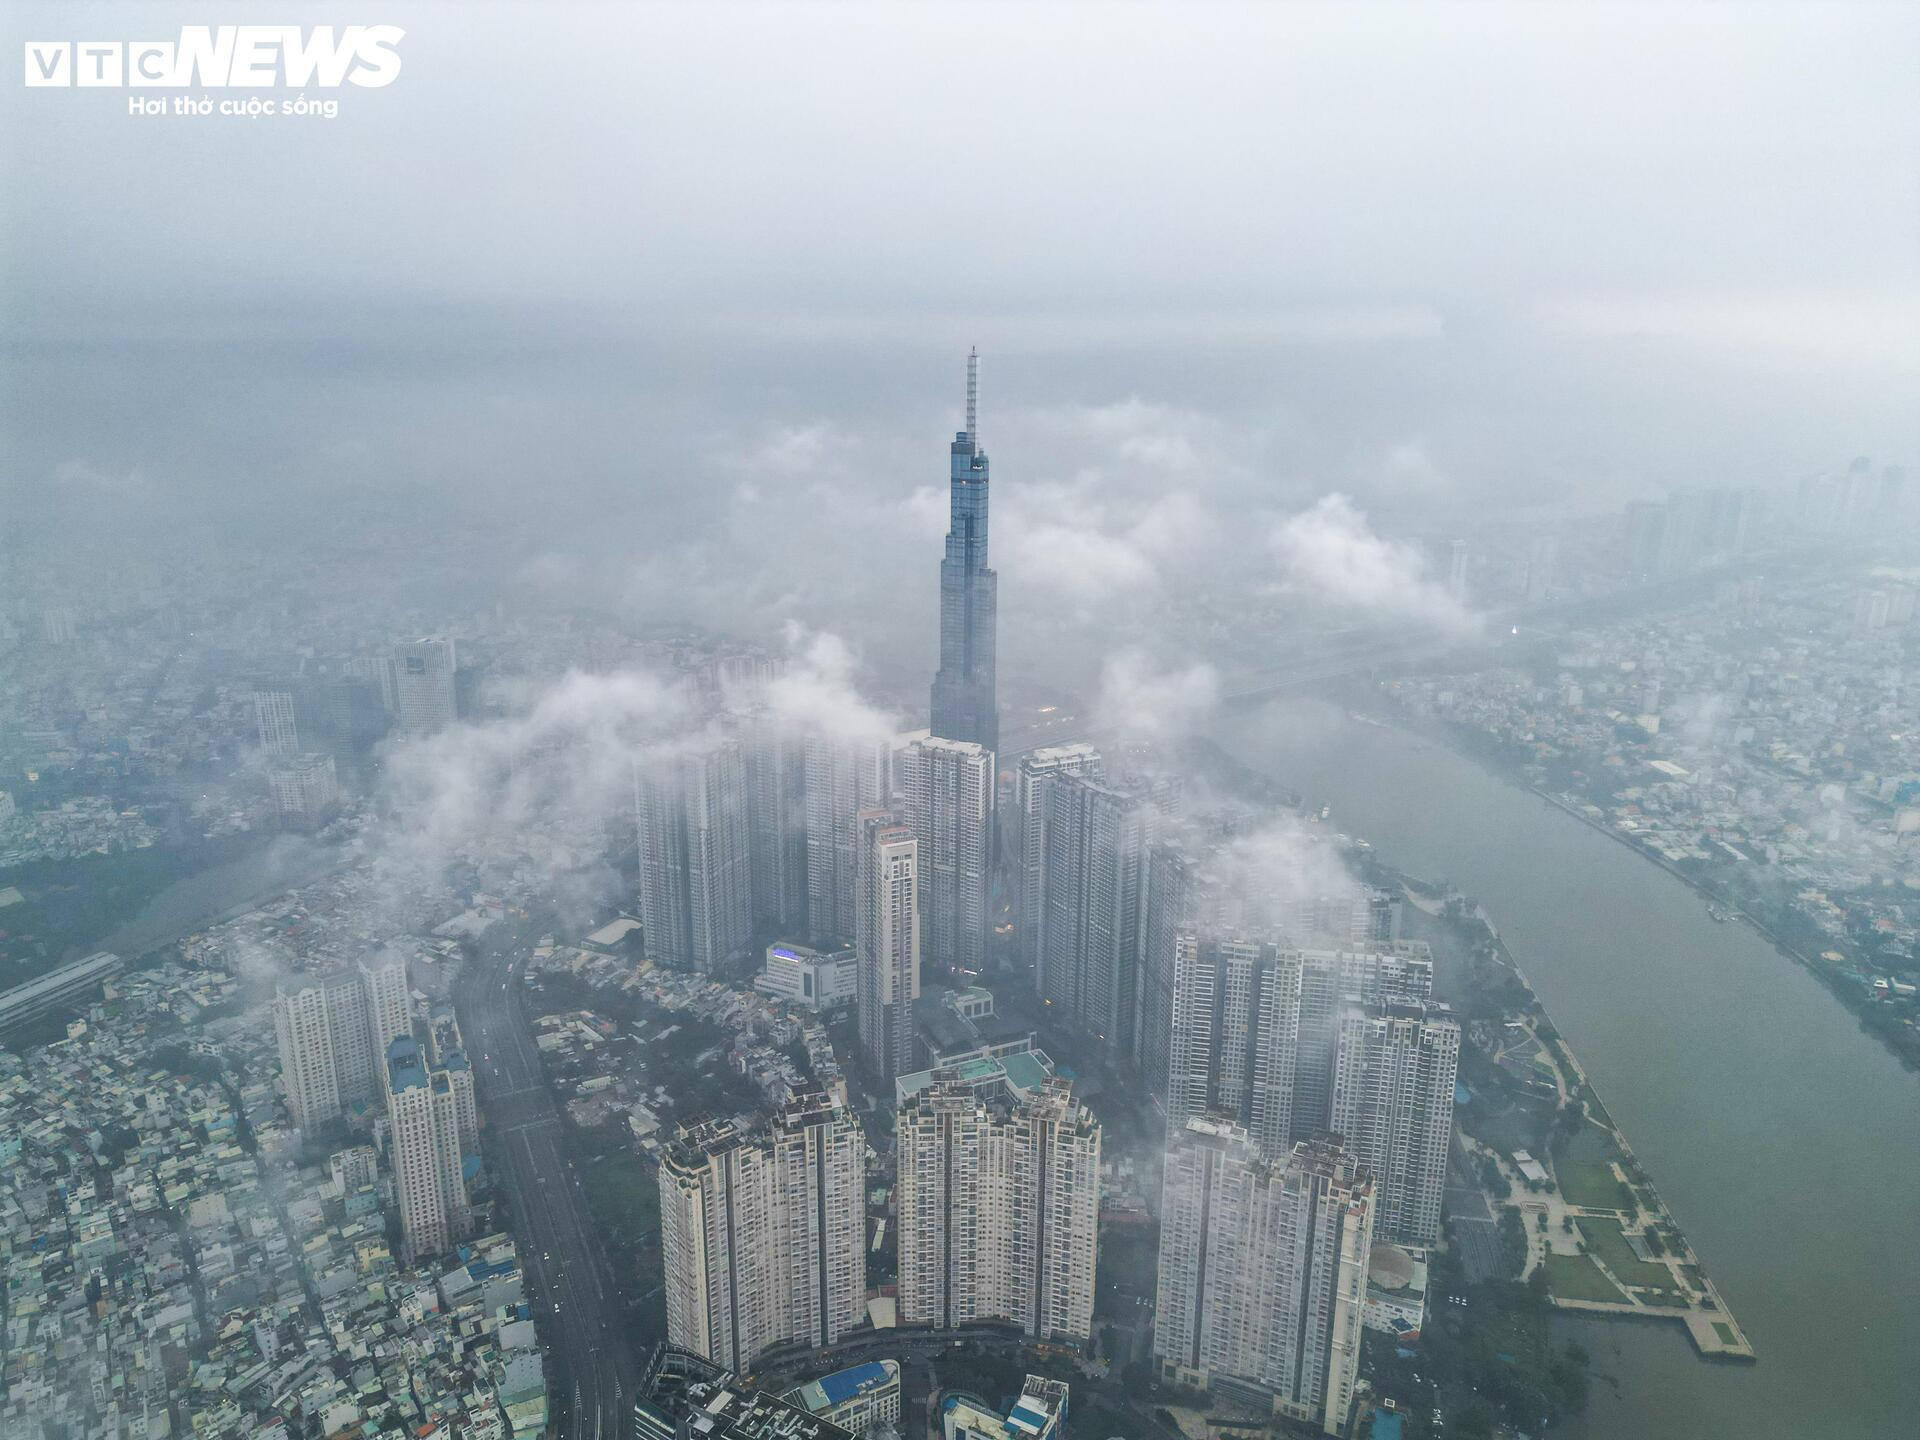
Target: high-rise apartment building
x,y
1037,768
964,702
1263,1272
426,1112
776,774
423,686
1256,1025
843,777
999,1205
764,1233
306,788
695,865
947,789
1330,982
1175,894
1096,841
887,939
389,1002
274,718
333,1031
1393,1104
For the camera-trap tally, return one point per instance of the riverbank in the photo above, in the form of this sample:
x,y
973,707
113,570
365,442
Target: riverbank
x,y
1851,990
1595,1223
1781,1143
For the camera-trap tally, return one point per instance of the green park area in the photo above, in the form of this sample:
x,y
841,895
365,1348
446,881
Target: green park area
x,y
1580,1163
1606,1240
1575,1277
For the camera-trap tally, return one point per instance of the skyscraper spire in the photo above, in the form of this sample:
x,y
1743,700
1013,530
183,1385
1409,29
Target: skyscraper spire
x,y
964,704
973,395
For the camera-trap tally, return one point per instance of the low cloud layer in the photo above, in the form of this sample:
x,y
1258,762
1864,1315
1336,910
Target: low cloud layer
x,y
1140,700
1331,555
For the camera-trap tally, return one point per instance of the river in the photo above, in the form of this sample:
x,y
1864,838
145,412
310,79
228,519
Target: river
x,y
280,863
1785,1141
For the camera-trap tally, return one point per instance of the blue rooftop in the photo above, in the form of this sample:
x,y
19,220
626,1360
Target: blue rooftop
x,y
404,1067
855,1380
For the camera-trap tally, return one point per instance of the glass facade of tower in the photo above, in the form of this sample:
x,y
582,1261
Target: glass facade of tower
x,y
965,706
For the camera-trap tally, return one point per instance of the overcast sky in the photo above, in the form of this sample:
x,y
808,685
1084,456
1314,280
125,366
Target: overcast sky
x,y
703,275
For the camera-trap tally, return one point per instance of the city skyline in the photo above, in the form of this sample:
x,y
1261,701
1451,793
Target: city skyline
x,y
549,892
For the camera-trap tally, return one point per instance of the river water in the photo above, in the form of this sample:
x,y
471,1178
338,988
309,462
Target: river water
x,y
1785,1140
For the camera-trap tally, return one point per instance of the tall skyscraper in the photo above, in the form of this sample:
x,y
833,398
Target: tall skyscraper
x,y
887,939
1095,846
389,1002
1256,1027
1393,1104
965,705
1263,1271
1330,982
776,823
274,717
695,865
1037,769
1175,894
999,1205
843,777
306,788
947,789
424,698
333,1032
764,1233
1236,1036
425,1111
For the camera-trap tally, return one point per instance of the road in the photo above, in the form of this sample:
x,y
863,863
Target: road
x,y
576,1308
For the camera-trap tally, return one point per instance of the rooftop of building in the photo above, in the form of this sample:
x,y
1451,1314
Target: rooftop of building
x,y
817,1396
406,1070
1024,1071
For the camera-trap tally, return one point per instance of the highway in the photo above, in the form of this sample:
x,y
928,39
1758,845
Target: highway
x,y
576,1308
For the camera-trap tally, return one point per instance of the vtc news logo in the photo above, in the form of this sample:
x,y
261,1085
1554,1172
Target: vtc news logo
x,y
223,56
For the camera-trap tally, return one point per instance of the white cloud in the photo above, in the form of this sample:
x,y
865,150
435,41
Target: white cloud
x,y
1138,700
816,696
1330,554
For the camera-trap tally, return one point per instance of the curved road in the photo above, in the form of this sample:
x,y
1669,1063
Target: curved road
x,y
576,1308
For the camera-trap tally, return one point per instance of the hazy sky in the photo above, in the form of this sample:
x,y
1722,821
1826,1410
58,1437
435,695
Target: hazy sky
x,y
677,283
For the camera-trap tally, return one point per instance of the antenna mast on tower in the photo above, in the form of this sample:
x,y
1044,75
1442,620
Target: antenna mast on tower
x,y
973,394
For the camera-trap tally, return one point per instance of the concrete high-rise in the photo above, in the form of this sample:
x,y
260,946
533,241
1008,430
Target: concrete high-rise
x,y
764,1233
1036,771
273,715
1175,894
422,685
333,1031
1236,1036
999,1205
389,1002
1330,982
1393,1105
306,788
843,777
947,789
696,874
887,939
776,776
1256,1026
1095,845
427,1113
1263,1272
964,704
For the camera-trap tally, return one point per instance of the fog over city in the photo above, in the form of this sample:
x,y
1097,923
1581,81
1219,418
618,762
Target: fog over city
x,y
1021,721
662,301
